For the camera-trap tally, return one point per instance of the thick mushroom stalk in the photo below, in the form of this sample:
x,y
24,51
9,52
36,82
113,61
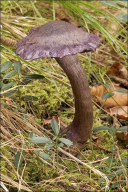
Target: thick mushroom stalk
x,y
79,130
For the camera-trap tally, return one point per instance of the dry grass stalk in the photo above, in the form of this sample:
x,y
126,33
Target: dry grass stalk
x,y
8,41
14,121
96,171
6,179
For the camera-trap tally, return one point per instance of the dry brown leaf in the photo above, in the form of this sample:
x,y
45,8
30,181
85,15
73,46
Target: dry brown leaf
x,y
116,122
115,26
121,81
122,135
119,112
47,121
117,99
98,141
118,70
97,91
119,73
63,15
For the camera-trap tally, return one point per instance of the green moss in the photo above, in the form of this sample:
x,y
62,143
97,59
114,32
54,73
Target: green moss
x,y
5,166
48,96
37,171
70,165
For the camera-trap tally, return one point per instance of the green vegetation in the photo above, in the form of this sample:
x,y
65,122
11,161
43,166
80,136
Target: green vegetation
x,y
31,91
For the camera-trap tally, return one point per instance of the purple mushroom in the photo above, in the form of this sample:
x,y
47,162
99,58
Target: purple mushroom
x,y
62,41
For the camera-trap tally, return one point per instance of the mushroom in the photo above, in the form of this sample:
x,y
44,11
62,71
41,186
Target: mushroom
x,y
62,41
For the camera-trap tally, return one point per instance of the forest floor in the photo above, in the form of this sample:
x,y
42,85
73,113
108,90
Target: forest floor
x,y
35,92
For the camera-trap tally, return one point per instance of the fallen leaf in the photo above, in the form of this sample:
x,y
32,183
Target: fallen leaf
x,y
98,141
47,121
118,70
63,15
117,99
121,81
115,26
119,112
115,121
122,135
119,73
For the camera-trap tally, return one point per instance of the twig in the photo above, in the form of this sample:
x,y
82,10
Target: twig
x,y
12,88
3,186
90,167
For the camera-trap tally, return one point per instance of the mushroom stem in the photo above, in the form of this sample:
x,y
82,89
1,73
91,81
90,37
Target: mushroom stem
x,y
80,128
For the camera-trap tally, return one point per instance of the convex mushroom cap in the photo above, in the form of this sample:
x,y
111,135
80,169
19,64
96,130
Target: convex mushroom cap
x,y
56,39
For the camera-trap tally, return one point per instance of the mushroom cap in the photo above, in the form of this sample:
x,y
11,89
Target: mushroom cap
x,y
56,39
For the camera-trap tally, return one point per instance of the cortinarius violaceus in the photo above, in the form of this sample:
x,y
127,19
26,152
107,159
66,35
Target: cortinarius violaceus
x,y
62,41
